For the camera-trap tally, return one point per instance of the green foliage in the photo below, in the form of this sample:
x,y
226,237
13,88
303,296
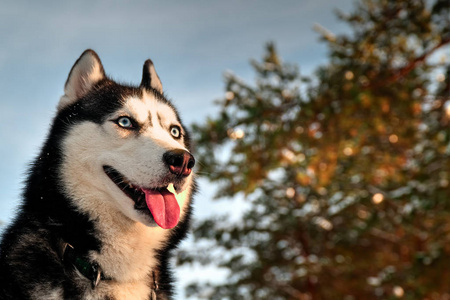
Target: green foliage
x,y
347,173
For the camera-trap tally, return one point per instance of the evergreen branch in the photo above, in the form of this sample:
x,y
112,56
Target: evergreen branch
x,y
402,72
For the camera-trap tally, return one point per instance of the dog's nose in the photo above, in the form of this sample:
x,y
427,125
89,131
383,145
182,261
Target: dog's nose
x,y
180,162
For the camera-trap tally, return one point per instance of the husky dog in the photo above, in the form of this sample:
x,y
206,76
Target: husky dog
x,y
107,199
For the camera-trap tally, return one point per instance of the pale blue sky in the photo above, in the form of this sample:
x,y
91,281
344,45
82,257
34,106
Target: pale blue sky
x,y
191,43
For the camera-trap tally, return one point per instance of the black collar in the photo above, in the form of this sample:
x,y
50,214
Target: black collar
x,y
89,269
92,270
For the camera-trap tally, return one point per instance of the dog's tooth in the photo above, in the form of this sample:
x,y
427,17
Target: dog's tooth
x,y
171,188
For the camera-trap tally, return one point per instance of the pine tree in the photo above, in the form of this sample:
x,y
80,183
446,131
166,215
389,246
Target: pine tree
x,y
346,173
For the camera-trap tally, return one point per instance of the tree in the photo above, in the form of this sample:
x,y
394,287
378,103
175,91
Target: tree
x,y
347,173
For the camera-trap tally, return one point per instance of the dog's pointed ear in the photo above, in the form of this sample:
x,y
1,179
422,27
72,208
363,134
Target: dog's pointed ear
x,y
85,73
149,77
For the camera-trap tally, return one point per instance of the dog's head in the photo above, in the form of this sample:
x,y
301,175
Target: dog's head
x,y
125,150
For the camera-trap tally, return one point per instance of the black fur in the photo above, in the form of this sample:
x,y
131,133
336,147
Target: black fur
x,y
30,249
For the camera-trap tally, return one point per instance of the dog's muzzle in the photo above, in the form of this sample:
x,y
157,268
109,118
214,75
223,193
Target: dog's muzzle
x,y
180,162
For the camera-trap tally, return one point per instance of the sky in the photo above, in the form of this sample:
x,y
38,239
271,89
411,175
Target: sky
x,y
192,44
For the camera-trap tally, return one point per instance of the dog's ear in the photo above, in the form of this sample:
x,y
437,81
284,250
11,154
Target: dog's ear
x,y
149,77
85,73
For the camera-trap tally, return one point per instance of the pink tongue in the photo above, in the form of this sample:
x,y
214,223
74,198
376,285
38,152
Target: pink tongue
x,y
164,207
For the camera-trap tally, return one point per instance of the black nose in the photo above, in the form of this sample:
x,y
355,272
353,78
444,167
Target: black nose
x,y
180,162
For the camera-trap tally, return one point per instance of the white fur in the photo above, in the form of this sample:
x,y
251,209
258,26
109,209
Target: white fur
x,y
129,237
47,292
155,82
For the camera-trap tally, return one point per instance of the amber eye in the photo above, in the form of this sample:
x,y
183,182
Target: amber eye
x,y
124,122
175,131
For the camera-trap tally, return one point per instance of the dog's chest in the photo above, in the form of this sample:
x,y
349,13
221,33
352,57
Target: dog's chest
x,y
120,290
129,254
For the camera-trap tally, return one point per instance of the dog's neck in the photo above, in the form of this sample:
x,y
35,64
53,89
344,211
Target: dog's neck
x,y
129,248
93,272
91,269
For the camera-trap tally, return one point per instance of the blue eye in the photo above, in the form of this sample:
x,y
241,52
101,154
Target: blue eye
x,y
175,131
124,122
